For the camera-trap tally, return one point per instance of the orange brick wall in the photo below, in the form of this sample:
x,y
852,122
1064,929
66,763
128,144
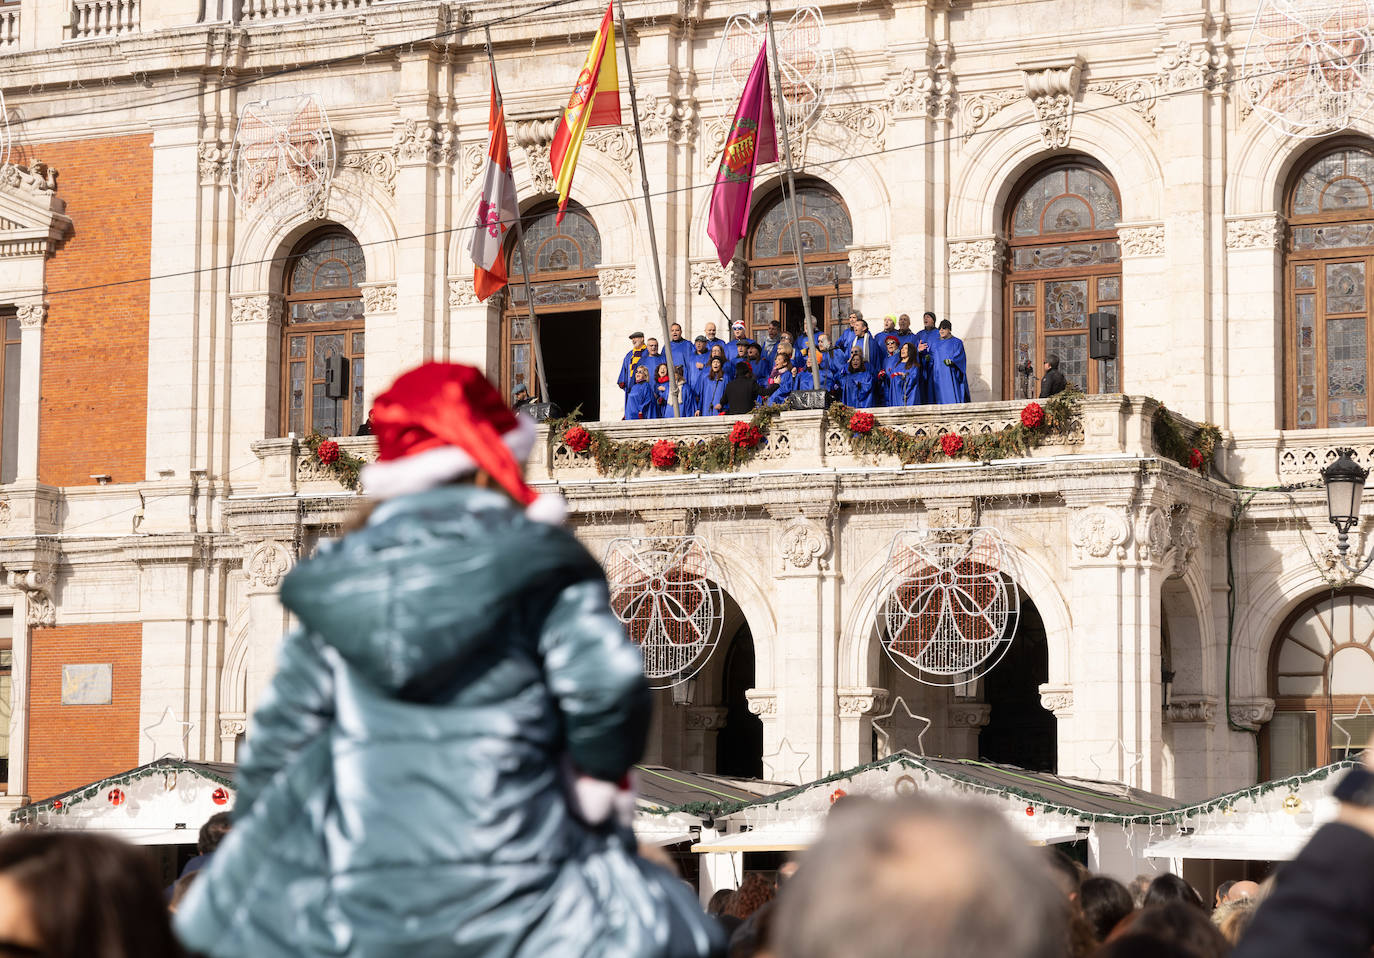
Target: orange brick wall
x,y
72,745
95,344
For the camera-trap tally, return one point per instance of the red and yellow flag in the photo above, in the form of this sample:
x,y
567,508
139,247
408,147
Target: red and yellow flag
x,y
595,101
497,210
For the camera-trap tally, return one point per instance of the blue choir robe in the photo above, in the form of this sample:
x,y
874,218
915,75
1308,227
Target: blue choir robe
x,y
801,380
627,367
681,352
894,377
845,340
783,383
762,368
856,389
926,360
912,378
697,366
690,401
641,402
715,341
770,349
713,396
652,363
665,405
882,337
873,355
733,349
949,373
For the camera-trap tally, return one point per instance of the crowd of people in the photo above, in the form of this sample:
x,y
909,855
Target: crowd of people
x,y
897,366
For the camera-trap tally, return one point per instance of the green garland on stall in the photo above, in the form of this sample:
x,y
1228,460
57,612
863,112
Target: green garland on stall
x,y
163,766
347,469
631,457
1170,439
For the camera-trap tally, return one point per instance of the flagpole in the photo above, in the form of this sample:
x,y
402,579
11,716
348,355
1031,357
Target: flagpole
x,y
649,214
790,194
524,254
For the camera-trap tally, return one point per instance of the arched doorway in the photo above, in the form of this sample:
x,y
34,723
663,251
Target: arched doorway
x,y
567,305
1330,252
1020,731
739,746
324,322
1321,674
827,233
1064,264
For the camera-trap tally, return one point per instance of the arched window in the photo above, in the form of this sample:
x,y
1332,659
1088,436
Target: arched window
x,y
324,322
567,301
826,235
1064,264
1321,669
1330,250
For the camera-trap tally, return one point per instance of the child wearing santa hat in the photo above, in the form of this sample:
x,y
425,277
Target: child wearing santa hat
x,y
436,766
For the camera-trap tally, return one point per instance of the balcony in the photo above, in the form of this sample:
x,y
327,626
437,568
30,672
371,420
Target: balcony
x,y
101,19
9,27
263,11
1104,426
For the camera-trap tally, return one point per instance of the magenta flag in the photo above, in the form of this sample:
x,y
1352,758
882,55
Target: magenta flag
x,y
752,140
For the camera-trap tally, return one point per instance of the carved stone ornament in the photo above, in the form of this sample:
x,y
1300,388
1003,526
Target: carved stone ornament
x,y
37,178
951,514
256,309
232,728
1191,710
617,281
421,142
870,261
716,276
978,254
863,121
32,315
36,584
802,542
461,292
379,299
854,702
1051,87
977,108
1057,699
1251,713
1167,537
1099,532
762,701
1139,241
1138,94
915,93
214,158
662,117
969,714
267,564
472,162
1192,66
617,144
537,162
6,514
706,718
1255,232
378,165
1328,555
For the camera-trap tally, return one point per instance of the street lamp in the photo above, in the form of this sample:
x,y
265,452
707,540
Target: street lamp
x,y
1344,481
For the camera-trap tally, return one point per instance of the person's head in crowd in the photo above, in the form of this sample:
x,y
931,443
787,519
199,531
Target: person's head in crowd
x,y
753,938
743,370
774,331
70,894
781,361
856,361
661,374
1052,362
218,824
718,350
786,337
1183,925
1139,885
904,323
1104,902
517,395
787,869
928,320
921,878
1220,896
636,340
738,330
822,341
652,345
675,332
641,374
754,351
1242,889
1233,917
710,330
718,901
908,355
892,344
753,893
717,367
1166,889
1065,871
862,329
700,344
1142,946
946,329
854,317
889,323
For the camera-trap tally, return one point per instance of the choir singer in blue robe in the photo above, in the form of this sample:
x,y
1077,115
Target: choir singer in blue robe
x,y
712,400
949,374
891,374
641,402
911,374
926,338
856,386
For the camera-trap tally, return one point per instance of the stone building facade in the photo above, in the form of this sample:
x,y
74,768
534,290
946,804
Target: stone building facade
x,y
1012,165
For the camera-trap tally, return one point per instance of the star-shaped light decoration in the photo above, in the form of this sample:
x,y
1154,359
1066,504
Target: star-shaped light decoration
x,y
785,760
169,736
884,735
1362,710
1136,761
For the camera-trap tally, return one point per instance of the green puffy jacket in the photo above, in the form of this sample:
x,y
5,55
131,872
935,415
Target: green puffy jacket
x,y
399,792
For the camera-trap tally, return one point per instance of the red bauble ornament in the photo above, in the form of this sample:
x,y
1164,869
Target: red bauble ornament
x,y
862,423
115,796
1195,459
745,435
1029,811
951,444
57,805
836,795
577,439
663,454
1033,416
220,796
328,452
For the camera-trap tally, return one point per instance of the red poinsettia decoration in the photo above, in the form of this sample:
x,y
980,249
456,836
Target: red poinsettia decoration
x,y
663,454
951,444
328,452
862,423
1033,416
1195,459
577,439
745,435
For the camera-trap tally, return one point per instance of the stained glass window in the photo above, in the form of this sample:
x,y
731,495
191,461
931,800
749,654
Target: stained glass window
x,y
1067,199
324,320
571,246
824,222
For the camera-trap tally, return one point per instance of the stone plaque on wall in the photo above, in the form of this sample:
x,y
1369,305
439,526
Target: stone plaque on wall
x,y
87,684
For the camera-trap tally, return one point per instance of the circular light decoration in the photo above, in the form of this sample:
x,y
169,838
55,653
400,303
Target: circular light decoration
x,y
664,591
948,605
283,157
1307,68
805,59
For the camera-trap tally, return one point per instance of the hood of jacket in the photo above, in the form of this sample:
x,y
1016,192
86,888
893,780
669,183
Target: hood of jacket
x,y
423,586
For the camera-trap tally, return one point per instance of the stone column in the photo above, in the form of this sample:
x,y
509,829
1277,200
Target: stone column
x,y
33,609
871,272
1254,289
857,707
1190,719
622,312
975,291
1145,357
32,317
265,564
1059,700
475,327
384,361
703,725
255,372
964,722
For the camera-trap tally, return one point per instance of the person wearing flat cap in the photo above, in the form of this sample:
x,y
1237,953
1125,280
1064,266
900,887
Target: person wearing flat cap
x,y
520,397
627,368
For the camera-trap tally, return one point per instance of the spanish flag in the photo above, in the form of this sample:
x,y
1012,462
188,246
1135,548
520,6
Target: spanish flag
x,y
595,101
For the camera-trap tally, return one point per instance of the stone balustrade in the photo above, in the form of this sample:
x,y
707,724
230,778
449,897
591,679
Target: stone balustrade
x,y
9,26
801,440
1293,456
100,19
261,11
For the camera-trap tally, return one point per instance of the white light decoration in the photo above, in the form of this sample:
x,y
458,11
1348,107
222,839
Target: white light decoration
x,y
5,135
1307,65
283,157
664,591
884,735
804,55
948,605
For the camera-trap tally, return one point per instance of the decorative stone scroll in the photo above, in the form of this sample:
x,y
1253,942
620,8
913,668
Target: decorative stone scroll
x,y
461,293
870,261
1264,231
1191,710
1098,532
418,141
802,542
36,584
854,702
716,276
1191,66
617,281
706,718
969,714
379,299
762,701
265,308
977,108
377,165
1051,86
916,93
267,564
1251,713
32,315
1140,241
662,117
977,254
1057,699
1138,94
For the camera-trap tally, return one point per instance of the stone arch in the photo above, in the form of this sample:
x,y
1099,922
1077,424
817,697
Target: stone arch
x,y
1255,631
1117,139
1265,160
1191,634
746,584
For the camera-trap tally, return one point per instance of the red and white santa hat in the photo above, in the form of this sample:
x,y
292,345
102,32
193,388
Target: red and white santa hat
x,y
441,421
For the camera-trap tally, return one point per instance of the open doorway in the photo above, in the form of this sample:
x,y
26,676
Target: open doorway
x,y
739,746
571,343
1020,731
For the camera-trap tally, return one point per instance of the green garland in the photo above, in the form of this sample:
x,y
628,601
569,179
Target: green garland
x,y
631,457
1012,442
76,796
346,469
1170,440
